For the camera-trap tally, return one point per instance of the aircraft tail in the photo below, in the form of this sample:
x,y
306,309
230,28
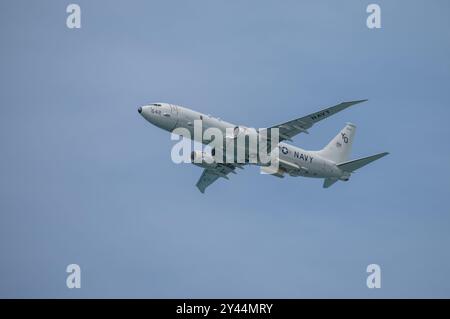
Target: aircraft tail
x,y
329,181
352,166
339,148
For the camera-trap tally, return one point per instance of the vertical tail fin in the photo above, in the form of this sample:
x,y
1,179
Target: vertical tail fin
x,y
338,150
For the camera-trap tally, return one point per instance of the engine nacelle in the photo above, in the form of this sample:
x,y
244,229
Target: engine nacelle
x,y
245,142
203,159
241,131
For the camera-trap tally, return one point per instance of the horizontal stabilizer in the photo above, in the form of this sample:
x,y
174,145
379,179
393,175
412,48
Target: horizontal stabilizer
x,y
352,166
329,181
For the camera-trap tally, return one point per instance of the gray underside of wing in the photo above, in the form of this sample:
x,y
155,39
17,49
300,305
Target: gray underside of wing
x,y
290,129
210,175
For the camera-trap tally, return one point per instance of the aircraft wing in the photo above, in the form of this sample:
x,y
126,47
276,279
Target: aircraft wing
x,y
290,129
210,175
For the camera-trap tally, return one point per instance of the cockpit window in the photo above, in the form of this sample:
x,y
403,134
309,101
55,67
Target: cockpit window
x,y
156,104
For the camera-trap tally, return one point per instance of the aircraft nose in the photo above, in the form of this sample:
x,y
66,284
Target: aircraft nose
x,y
140,110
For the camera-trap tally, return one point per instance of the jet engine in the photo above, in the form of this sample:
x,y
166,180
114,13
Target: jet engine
x,y
242,130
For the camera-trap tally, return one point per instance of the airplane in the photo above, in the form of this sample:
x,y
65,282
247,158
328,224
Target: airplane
x,y
330,163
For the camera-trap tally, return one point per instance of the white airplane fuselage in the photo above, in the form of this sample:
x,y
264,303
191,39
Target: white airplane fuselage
x,y
299,161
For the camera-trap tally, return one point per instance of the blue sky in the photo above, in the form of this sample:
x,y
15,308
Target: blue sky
x,y
86,180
